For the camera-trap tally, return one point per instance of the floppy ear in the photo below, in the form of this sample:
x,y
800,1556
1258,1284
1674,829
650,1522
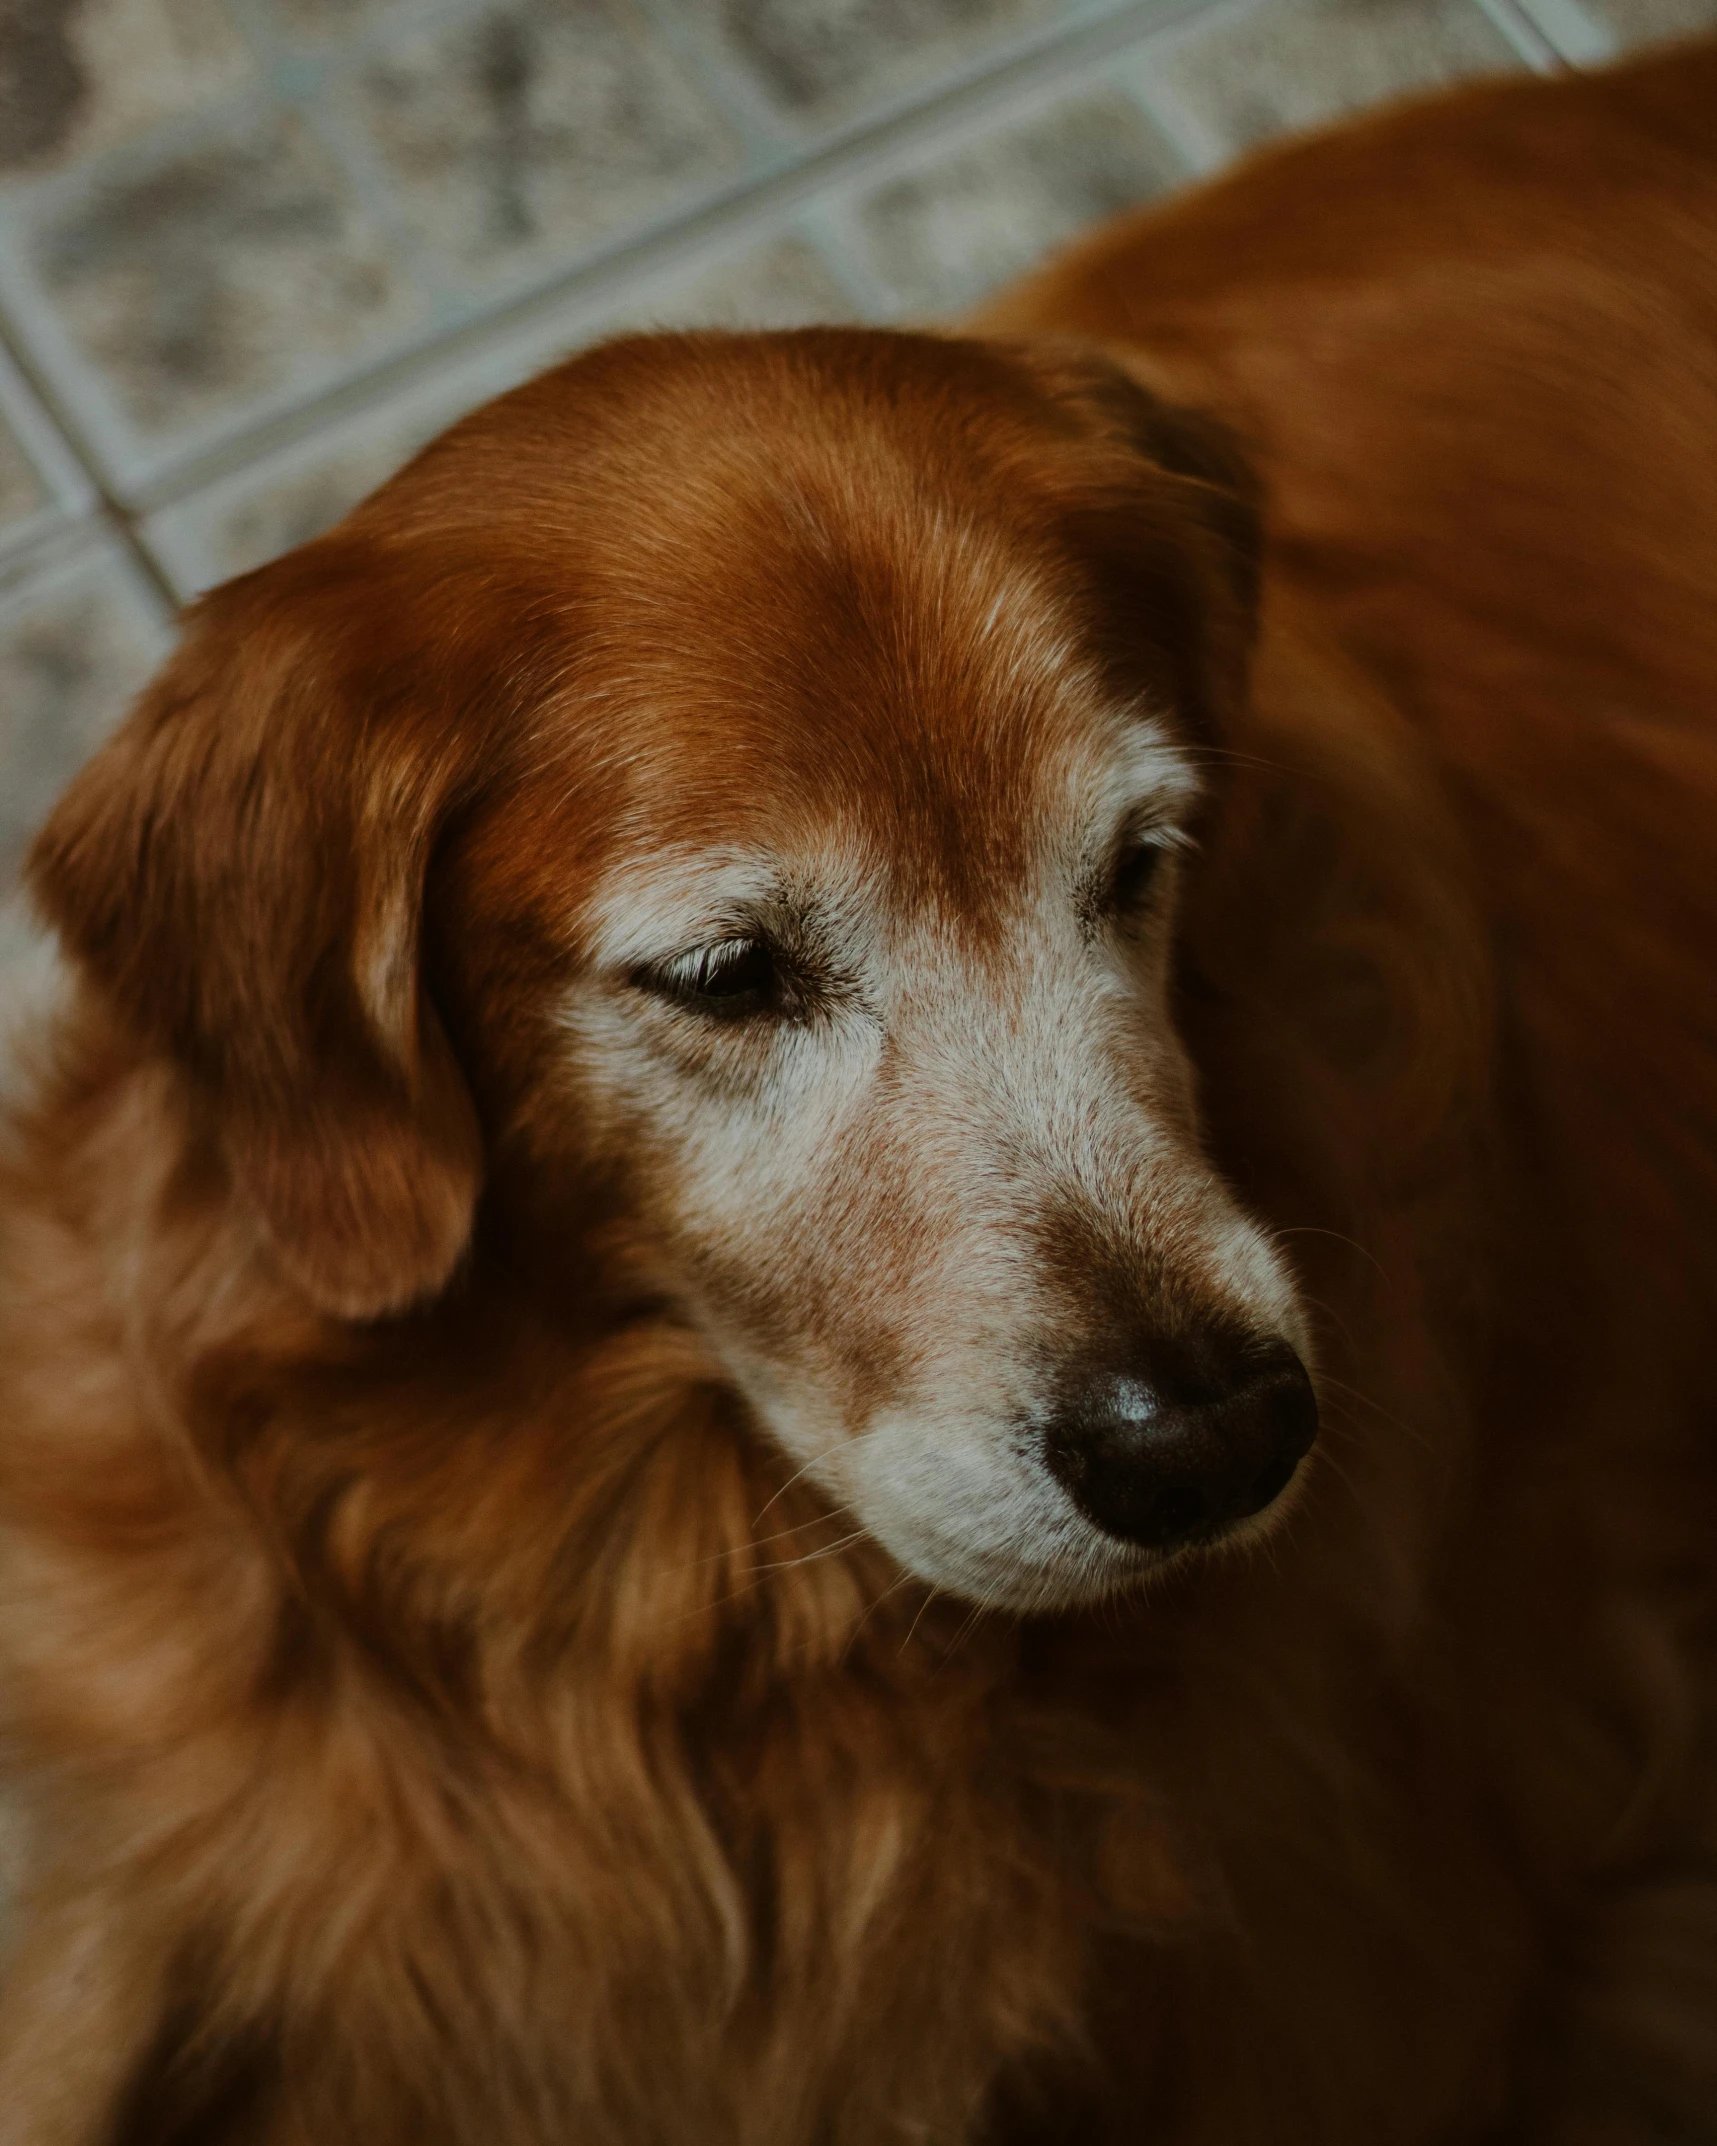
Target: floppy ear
x,y
1170,520
242,868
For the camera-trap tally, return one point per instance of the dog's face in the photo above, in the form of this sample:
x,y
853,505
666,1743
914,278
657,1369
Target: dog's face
x,y
809,880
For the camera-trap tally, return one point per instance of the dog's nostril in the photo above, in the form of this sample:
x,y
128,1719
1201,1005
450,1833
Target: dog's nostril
x,y
1162,1467
1178,1513
1271,1484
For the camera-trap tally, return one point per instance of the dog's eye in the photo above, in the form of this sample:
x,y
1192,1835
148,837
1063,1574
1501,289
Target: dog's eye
x,y
733,978
1135,870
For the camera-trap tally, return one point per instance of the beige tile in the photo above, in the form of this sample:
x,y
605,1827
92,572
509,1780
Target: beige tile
x,y
1229,84
516,139
781,283
319,18
1652,22
1571,30
22,491
819,57
947,231
202,283
77,76
44,490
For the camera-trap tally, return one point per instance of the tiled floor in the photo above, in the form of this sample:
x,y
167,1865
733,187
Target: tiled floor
x,y
253,251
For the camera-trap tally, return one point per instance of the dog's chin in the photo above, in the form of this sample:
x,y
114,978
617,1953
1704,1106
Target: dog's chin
x,y
1071,1565
974,1517
1077,1568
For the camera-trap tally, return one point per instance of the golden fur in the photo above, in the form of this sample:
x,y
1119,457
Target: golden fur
x,y
443,1717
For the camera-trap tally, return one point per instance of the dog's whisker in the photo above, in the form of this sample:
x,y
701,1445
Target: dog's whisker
x,y
1364,1400
912,1628
734,1551
791,1564
797,1476
1308,1229
980,1610
900,1580
1334,1317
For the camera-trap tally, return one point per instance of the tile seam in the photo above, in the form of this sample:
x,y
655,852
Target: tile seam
x,y
776,191
110,512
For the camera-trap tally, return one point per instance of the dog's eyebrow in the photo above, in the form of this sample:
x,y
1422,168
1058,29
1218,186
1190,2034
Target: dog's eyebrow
x,y
1142,775
655,904
1152,770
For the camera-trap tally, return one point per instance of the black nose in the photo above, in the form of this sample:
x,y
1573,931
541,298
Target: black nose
x,y
1179,1450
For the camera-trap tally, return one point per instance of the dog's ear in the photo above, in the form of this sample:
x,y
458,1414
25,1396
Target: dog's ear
x,y
1169,515
242,866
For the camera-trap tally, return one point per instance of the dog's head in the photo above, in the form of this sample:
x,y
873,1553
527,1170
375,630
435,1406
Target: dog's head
x,y
732,795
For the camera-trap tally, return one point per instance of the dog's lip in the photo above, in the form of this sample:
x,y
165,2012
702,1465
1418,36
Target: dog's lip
x,y
997,1577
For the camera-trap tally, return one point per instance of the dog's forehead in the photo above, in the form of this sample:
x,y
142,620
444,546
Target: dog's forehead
x,y
960,792
879,677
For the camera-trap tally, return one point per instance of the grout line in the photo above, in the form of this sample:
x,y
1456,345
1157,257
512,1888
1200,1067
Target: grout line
x,y
793,181
111,511
1525,35
1571,30
848,259
701,56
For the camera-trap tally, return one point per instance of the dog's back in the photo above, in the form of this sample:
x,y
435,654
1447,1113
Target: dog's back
x,y
1474,346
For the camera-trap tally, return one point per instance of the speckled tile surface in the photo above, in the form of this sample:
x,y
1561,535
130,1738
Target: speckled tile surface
x,y
943,232
265,507
209,280
77,76
1227,84
533,129
1653,22
254,252
22,492
818,56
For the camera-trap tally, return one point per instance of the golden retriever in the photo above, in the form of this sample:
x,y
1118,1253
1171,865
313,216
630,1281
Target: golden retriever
x,y
742,1069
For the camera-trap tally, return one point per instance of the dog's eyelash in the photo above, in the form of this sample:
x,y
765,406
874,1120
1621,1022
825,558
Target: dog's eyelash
x,y
1134,873
733,979
1136,867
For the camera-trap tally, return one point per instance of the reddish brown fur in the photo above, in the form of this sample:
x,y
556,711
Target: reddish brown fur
x,y
431,1726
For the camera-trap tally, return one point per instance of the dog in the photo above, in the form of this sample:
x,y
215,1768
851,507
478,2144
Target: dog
x,y
862,1287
